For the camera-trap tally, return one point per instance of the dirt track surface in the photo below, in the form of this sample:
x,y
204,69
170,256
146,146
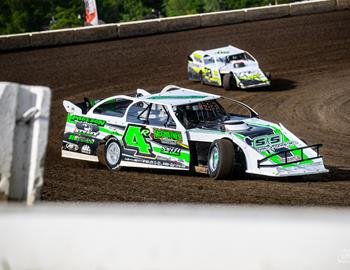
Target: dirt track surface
x,y
309,57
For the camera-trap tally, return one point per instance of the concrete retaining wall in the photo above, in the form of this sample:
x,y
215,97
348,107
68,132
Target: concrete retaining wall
x,y
222,18
132,29
18,41
94,33
52,38
343,4
164,25
269,12
179,23
310,7
25,113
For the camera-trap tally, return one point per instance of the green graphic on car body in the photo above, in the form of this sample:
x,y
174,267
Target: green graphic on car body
x,y
270,145
73,137
74,119
135,137
71,118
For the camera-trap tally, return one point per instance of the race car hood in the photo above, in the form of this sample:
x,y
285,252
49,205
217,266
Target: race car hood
x,y
265,138
249,75
268,139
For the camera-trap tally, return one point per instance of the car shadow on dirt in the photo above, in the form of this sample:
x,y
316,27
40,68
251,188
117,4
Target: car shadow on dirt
x,y
335,174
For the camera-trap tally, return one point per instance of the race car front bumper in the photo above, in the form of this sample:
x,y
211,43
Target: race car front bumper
x,y
252,84
297,170
303,165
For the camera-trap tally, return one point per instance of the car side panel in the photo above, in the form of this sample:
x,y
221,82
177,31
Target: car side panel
x,y
155,147
83,134
142,145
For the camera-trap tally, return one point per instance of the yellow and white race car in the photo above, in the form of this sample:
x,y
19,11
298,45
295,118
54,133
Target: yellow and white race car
x,y
229,67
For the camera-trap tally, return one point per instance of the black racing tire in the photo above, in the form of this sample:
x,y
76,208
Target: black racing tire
x,y
189,76
201,78
227,81
109,153
221,159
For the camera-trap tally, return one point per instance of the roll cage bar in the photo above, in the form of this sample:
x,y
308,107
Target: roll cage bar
x,y
252,112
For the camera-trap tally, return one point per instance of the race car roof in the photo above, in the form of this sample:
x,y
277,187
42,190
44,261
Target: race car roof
x,y
179,96
228,50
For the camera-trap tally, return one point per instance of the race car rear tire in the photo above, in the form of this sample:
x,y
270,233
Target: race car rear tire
x,y
201,77
227,81
221,159
110,153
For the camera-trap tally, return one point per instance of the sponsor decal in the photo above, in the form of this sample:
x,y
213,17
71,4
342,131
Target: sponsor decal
x,y
77,118
156,162
71,146
174,151
222,52
87,129
78,138
168,141
86,149
290,158
164,134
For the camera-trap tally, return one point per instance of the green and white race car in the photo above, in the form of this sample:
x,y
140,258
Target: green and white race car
x,y
229,67
182,129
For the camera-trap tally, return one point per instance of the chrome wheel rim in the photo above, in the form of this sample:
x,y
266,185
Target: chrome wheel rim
x,y
214,159
113,153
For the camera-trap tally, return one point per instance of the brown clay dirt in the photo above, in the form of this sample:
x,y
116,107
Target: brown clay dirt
x,y
308,56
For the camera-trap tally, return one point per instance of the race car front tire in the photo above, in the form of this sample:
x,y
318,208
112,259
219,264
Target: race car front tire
x,y
201,80
227,81
268,75
221,159
110,153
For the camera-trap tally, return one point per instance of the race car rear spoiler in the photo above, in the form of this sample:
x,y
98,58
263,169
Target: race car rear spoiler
x,y
315,147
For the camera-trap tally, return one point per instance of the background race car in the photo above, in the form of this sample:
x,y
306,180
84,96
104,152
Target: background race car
x,y
229,67
181,129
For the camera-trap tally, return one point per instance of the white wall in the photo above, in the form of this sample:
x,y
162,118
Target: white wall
x,y
203,237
